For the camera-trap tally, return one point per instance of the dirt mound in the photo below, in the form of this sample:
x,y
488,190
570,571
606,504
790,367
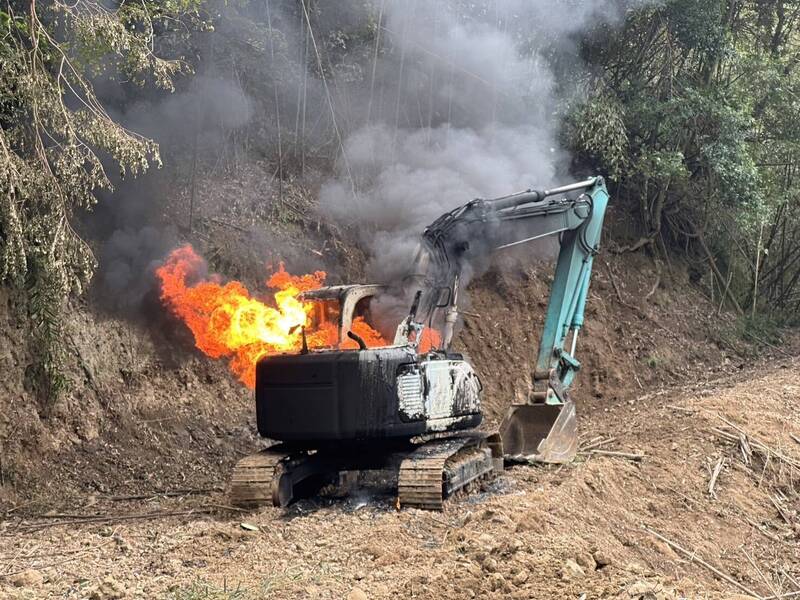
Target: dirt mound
x,y
643,331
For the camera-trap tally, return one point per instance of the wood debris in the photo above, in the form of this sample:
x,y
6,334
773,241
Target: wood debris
x,y
714,476
693,557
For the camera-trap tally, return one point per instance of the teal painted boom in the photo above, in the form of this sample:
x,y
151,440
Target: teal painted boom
x,y
570,290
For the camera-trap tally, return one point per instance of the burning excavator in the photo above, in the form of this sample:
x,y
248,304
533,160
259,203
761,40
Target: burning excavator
x,y
415,411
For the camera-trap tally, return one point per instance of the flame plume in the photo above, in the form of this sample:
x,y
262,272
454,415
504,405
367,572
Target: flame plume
x,y
228,322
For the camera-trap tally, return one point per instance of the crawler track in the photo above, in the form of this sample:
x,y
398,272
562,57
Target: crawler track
x,y
256,478
438,469
426,474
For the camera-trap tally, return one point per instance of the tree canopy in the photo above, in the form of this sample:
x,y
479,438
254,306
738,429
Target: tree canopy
x,y
692,108
688,107
57,139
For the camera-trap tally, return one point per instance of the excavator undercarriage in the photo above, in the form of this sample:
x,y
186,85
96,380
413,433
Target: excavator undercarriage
x,y
426,472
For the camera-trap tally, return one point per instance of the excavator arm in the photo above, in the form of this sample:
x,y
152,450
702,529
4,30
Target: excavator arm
x,y
543,428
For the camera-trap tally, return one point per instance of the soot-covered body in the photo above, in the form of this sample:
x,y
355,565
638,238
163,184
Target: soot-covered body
x,y
387,393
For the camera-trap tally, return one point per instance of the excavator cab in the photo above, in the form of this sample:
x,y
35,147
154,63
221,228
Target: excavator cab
x,y
340,305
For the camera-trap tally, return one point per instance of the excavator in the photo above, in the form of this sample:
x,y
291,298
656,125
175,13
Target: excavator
x,y
414,413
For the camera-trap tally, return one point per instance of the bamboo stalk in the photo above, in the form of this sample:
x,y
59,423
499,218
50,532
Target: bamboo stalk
x,y
636,457
713,264
758,265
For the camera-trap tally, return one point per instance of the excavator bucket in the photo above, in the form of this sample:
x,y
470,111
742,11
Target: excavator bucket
x,y
540,433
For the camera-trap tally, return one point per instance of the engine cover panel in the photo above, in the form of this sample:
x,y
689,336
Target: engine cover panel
x,y
375,393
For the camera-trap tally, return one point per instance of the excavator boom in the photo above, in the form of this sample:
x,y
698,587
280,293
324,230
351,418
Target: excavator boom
x,y
544,427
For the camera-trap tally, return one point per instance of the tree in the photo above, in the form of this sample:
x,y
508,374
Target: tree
x,y
693,112
56,141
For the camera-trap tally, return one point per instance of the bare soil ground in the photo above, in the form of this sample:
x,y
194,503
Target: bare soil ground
x,y
583,530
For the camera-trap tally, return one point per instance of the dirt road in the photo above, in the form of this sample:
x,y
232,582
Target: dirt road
x,y
587,530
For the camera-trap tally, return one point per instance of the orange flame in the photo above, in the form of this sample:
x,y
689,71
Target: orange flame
x,y
228,322
429,339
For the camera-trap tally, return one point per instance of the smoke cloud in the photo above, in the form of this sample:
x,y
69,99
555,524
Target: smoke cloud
x,y
464,104
194,121
454,100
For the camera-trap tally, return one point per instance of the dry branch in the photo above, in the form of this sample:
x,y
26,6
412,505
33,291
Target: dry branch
x,y
642,314
692,556
759,529
780,510
794,581
744,446
754,442
96,519
597,442
760,573
636,457
655,286
164,494
616,287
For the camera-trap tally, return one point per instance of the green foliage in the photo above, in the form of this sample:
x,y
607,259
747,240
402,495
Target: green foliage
x,y
761,329
54,131
747,335
598,127
706,96
652,361
661,165
697,25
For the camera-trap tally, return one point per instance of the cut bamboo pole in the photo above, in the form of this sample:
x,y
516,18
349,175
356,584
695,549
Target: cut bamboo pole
x,y
714,476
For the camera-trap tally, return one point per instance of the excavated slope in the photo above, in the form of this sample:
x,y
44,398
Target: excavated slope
x,y
591,527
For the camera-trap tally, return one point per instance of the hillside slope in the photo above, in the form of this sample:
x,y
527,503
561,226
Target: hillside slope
x,y
537,532
152,426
